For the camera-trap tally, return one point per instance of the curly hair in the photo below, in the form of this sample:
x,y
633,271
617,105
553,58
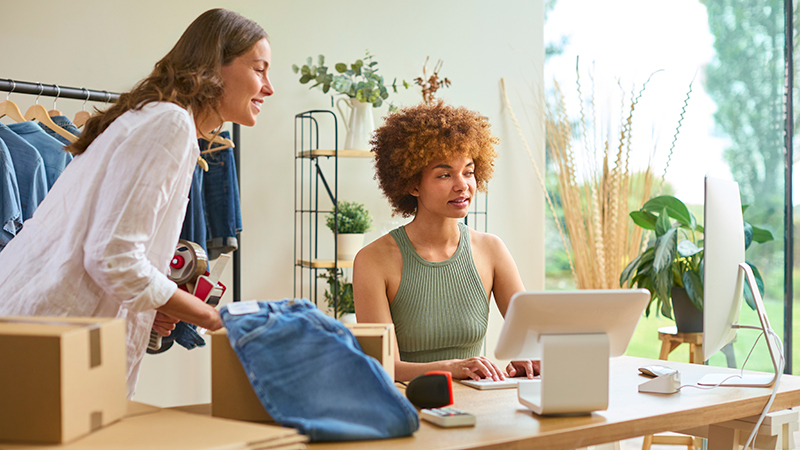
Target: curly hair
x,y
189,75
413,137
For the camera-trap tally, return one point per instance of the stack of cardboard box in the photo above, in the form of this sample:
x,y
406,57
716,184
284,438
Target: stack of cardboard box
x,y
62,385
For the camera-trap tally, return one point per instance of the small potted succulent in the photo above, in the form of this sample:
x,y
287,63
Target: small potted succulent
x,y
671,266
349,224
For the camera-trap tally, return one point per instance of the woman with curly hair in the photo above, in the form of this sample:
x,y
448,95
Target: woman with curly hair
x,y
102,239
434,277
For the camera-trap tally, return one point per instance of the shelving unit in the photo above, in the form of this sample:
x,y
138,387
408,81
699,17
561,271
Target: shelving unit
x,y
313,192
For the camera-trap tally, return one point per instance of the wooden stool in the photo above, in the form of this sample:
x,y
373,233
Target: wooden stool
x,y
670,340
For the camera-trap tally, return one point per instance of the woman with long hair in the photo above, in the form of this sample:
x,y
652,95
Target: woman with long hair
x,y
101,241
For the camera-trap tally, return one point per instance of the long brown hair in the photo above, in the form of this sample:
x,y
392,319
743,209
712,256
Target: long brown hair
x,y
189,75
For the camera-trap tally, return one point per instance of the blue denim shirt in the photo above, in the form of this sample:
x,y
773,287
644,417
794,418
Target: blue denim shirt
x,y
310,373
51,150
29,168
10,209
65,123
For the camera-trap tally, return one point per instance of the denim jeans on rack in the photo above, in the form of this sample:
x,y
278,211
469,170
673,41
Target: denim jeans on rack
x,y
194,222
221,196
310,373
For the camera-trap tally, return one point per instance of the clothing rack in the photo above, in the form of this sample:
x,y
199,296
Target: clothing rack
x,y
39,89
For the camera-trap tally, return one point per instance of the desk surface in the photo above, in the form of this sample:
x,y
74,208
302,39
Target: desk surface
x,y
502,422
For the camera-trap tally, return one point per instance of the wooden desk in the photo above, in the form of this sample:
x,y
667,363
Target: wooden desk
x,y
503,423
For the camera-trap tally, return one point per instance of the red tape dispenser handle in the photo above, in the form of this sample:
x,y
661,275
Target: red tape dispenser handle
x,y
434,389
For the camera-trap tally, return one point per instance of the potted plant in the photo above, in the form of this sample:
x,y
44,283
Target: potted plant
x,y
671,266
362,85
349,224
339,295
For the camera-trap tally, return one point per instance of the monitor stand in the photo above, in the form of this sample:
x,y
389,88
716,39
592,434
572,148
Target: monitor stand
x,y
574,375
751,380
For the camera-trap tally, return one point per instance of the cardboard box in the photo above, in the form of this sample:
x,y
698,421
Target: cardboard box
x,y
148,427
232,396
61,378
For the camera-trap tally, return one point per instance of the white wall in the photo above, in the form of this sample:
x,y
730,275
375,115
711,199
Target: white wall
x,y
111,45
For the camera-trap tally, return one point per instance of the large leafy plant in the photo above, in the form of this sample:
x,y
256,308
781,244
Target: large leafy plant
x,y
675,256
352,217
358,80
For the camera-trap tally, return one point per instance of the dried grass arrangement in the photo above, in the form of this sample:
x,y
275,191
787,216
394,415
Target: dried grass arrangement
x,y
597,185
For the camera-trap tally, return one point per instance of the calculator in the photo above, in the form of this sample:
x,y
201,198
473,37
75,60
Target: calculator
x,y
448,417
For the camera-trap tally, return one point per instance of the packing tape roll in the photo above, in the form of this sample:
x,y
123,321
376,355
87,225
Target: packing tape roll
x,y
189,262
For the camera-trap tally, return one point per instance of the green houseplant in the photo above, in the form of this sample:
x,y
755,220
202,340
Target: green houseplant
x,y
359,80
349,224
363,87
351,217
339,295
674,259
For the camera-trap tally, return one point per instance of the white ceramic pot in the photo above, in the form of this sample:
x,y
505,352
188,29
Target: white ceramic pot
x,y
360,124
347,245
348,318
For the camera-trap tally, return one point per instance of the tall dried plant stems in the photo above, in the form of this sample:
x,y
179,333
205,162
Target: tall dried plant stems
x,y
596,191
538,175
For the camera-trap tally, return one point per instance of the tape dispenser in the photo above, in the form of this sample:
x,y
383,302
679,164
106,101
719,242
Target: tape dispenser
x,y
189,270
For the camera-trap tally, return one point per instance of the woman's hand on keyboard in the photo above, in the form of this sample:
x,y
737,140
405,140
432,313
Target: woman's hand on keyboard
x,y
474,368
523,368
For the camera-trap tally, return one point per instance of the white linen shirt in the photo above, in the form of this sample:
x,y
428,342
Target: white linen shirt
x,y
100,243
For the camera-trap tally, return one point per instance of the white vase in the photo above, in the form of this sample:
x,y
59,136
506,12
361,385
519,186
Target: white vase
x,y
348,318
347,245
360,124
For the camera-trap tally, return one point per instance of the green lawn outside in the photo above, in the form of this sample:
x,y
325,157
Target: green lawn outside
x,y
645,341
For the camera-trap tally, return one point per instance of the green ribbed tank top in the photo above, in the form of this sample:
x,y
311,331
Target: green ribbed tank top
x,y
441,310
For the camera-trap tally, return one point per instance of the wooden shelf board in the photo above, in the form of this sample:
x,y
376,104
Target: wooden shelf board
x,y
323,263
342,153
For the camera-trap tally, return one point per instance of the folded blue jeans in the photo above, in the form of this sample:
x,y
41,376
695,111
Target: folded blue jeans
x,y
310,373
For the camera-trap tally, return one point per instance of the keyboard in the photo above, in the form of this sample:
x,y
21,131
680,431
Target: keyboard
x,y
508,383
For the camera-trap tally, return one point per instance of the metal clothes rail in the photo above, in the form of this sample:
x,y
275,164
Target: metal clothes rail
x,y
58,91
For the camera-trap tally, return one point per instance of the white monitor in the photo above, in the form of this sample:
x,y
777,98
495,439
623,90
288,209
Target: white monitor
x,y
724,274
615,312
573,334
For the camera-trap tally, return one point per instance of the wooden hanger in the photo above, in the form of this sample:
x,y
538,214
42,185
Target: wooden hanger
x,y
38,112
9,108
223,144
82,116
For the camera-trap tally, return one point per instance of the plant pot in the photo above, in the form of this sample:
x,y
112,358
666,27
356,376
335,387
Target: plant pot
x,y
360,124
688,319
348,318
347,245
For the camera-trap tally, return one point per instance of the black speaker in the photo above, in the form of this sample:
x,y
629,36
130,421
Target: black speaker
x,y
431,390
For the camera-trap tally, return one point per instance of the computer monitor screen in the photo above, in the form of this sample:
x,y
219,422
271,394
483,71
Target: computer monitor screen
x,y
724,273
615,312
723,282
